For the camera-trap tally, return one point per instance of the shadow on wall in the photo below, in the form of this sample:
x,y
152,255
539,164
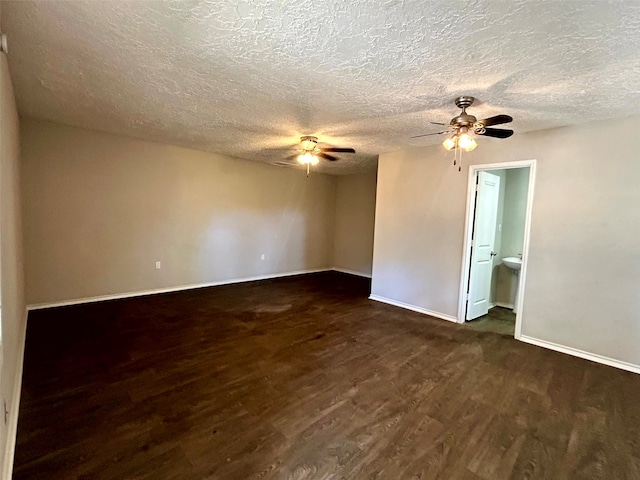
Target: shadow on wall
x,y
510,226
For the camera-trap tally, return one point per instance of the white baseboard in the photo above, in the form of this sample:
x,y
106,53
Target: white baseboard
x,y
582,354
12,420
352,272
396,303
155,291
504,305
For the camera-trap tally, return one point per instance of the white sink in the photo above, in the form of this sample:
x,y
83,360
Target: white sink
x,y
514,263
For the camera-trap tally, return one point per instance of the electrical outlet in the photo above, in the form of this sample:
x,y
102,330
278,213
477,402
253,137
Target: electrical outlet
x,y
263,257
158,265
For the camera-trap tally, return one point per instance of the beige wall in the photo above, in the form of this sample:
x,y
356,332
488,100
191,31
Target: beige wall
x,y
355,212
583,280
515,209
516,188
497,259
13,310
101,209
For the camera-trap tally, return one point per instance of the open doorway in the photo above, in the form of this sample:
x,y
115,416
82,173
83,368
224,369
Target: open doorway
x,y
496,245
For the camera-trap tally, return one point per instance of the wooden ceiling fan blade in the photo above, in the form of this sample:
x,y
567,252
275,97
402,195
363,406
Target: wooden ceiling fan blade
x,y
327,157
497,120
496,133
282,163
428,134
338,150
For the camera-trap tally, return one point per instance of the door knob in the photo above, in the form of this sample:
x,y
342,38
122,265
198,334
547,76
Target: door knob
x,y
493,254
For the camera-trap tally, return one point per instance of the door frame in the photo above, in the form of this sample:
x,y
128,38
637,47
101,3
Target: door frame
x,y
468,230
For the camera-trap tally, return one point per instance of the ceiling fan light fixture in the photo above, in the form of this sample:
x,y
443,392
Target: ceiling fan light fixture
x,y
450,142
309,153
466,142
308,158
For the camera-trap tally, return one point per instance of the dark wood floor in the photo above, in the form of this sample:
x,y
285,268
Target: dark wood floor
x,y
304,378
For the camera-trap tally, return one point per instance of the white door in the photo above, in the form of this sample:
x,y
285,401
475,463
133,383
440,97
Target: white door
x,y
484,235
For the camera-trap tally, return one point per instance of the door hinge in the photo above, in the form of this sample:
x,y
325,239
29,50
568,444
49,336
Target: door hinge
x,y
6,412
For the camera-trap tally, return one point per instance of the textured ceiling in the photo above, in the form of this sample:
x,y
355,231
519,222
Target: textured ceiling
x,y
247,78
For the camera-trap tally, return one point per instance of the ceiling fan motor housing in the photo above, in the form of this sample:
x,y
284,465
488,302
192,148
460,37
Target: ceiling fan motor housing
x,y
308,143
464,119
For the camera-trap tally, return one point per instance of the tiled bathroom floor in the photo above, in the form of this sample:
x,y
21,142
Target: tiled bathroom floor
x,y
498,320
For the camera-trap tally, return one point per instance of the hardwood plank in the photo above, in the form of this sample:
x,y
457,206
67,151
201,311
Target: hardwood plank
x,y
536,460
305,378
